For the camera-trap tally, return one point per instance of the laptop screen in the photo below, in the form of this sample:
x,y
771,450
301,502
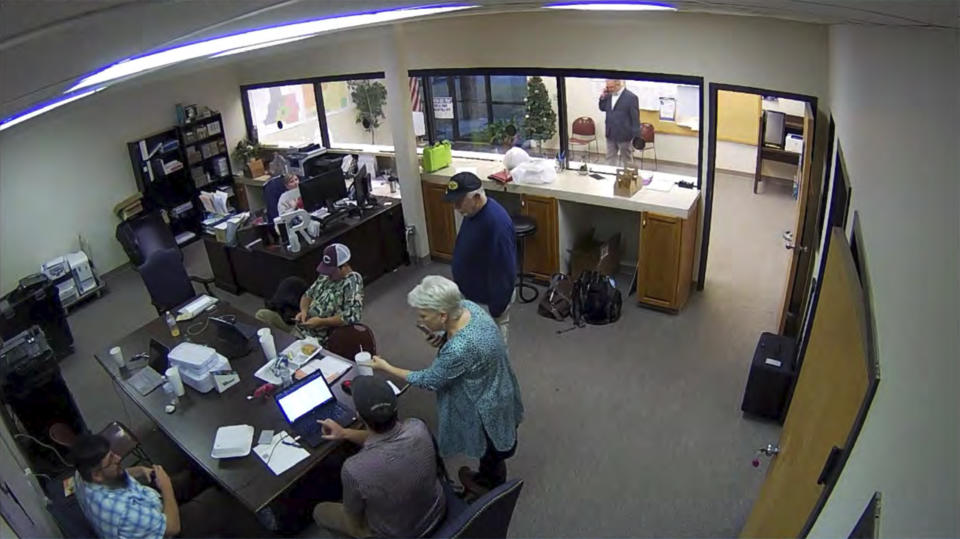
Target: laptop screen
x,y
305,398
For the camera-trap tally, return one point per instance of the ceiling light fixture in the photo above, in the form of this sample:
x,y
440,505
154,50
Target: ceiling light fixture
x,y
611,6
209,47
261,46
44,107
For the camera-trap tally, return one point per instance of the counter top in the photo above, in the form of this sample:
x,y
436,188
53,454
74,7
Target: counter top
x,y
571,186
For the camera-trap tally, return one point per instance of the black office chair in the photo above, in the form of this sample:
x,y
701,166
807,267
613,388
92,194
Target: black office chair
x,y
167,280
140,236
487,517
272,190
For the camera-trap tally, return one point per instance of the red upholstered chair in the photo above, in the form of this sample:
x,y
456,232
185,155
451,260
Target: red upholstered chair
x,y
584,133
648,134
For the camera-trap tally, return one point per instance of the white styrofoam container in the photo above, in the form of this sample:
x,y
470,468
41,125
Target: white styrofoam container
x,y
194,358
204,382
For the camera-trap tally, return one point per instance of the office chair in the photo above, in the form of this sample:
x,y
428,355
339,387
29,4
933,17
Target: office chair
x,y
122,440
487,517
143,234
271,195
584,133
347,341
648,134
167,280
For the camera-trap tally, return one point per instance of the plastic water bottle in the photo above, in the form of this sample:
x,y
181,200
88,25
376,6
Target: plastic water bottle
x,y
171,393
172,324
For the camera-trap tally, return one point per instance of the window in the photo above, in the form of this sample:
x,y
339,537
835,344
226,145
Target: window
x,y
284,116
357,114
671,110
492,113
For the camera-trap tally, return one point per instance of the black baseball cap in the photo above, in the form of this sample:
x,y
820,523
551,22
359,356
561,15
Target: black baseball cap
x,y
373,398
460,184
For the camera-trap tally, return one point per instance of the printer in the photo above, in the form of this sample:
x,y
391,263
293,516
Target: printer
x,y
298,160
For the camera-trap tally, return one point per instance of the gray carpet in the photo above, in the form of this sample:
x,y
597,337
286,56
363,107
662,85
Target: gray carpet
x,y
632,429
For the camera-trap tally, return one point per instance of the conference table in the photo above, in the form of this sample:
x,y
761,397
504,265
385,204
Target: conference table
x,y
194,424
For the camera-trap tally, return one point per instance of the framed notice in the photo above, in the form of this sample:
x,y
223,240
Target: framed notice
x,y
443,108
668,108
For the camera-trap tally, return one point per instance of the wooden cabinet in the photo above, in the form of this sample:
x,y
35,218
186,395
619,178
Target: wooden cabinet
x,y
441,227
665,265
541,251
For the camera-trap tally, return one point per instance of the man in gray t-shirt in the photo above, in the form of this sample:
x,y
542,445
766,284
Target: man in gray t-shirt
x,y
390,488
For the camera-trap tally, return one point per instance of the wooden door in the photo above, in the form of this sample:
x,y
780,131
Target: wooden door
x,y
541,250
803,245
658,267
832,393
441,227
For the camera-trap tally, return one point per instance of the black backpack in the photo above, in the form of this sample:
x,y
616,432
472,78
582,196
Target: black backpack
x,y
595,299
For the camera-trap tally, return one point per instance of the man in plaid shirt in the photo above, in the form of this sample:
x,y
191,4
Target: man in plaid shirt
x,y
117,502
142,502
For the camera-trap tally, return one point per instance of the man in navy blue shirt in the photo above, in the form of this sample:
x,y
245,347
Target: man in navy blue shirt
x,y
485,255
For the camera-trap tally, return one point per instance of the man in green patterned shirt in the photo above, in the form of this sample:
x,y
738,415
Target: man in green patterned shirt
x,y
335,298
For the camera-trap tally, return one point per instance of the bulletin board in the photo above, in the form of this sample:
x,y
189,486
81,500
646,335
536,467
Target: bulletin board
x,y
738,117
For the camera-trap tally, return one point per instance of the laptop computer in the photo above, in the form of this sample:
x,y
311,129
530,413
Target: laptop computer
x,y
233,339
309,400
148,378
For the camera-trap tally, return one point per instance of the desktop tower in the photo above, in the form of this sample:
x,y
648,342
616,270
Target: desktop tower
x,y
34,396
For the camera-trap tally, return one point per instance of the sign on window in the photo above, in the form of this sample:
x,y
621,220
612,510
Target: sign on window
x,y
443,108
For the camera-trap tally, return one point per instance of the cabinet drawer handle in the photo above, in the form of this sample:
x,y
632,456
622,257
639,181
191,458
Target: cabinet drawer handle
x,y
643,223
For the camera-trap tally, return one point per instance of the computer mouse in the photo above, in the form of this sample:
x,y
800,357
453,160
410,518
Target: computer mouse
x,y
345,386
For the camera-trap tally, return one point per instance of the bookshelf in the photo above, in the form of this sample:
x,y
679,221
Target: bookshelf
x,y
172,166
205,151
162,177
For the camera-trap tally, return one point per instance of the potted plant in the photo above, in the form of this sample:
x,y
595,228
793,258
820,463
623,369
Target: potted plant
x,y
249,154
500,133
369,97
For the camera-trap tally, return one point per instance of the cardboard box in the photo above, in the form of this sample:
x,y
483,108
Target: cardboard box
x,y
627,183
591,254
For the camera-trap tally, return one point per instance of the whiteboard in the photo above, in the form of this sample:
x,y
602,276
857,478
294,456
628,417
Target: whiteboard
x,y
688,104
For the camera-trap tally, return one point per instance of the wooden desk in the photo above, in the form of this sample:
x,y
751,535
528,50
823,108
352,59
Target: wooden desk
x,y
377,243
194,424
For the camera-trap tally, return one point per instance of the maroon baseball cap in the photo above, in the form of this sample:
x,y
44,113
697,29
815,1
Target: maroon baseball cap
x,y
334,256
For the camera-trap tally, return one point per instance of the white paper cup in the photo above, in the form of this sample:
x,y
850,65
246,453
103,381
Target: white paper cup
x,y
263,332
364,363
268,346
116,354
173,376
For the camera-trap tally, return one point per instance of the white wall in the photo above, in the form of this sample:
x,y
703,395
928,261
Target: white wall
x,y
908,202
61,173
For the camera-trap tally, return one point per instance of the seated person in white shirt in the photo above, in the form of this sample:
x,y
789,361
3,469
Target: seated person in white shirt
x,y
290,200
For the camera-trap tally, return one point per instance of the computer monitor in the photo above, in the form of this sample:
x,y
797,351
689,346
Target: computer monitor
x,y
362,190
774,129
323,190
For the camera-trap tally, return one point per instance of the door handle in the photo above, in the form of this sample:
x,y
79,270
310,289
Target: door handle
x,y
768,450
799,248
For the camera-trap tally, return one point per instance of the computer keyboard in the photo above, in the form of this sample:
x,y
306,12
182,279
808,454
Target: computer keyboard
x,y
145,380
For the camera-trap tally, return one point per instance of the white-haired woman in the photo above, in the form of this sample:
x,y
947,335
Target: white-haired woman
x,y
478,397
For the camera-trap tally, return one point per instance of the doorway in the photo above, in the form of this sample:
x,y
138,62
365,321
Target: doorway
x,y
760,181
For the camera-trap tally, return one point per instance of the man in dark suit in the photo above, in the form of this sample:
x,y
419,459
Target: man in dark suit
x,y
622,122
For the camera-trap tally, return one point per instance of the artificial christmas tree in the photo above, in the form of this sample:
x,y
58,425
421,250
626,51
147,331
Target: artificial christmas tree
x,y
540,122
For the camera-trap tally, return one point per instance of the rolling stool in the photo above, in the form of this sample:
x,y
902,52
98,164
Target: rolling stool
x,y
523,227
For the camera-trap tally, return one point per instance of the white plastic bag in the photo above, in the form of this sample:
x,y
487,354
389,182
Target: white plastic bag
x,y
537,171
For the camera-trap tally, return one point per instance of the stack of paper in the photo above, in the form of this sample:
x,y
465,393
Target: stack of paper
x,y
279,456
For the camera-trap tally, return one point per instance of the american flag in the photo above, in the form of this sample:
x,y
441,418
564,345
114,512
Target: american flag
x,y
415,94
